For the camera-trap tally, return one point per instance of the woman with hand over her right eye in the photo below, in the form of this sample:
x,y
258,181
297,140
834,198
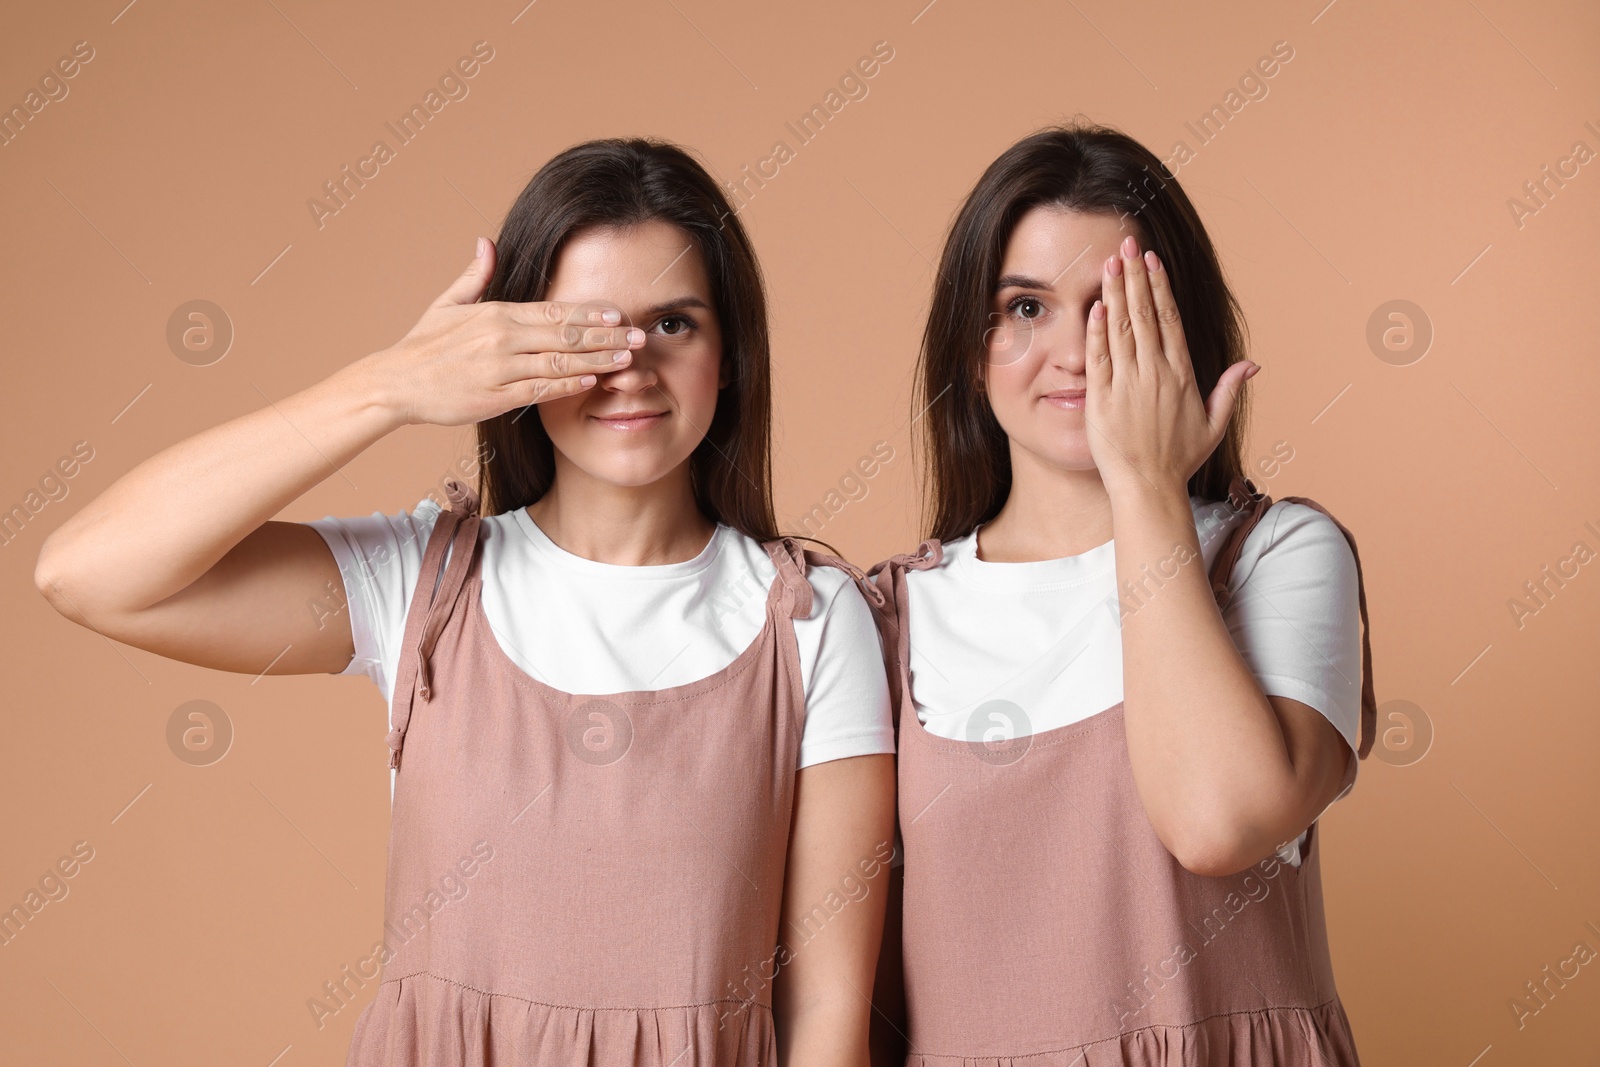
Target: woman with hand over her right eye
x,y
1127,682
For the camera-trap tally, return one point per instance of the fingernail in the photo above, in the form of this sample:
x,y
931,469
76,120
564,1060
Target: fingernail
x,y
1152,262
636,336
611,315
587,380
1130,247
479,249
621,357
1097,312
1114,266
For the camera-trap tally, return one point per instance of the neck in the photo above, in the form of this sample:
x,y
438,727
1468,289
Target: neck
x,y
1050,513
625,525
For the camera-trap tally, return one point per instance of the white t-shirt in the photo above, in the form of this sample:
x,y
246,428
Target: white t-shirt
x,y
1046,636
582,626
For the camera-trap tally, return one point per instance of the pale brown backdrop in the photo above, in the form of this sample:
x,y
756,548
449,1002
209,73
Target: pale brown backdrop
x,y
1378,167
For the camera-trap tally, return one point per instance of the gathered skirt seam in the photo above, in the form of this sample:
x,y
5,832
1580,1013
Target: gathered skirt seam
x,y
1119,1037
569,1007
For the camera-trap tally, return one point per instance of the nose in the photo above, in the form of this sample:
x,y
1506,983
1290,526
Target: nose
x,y
636,376
1066,347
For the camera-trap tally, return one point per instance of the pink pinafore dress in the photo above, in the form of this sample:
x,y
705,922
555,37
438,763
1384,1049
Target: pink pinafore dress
x,y
586,881
1044,923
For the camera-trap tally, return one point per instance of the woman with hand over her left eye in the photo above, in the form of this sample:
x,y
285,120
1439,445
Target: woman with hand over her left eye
x,y
638,737
1127,683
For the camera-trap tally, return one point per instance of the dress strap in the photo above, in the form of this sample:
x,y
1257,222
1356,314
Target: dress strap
x,y
884,586
791,590
432,604
1244,496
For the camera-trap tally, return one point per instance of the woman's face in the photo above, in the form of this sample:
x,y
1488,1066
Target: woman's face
x,y
1034,346
636,425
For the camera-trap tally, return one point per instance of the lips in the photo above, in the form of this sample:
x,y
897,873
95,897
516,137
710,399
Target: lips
x,y
1065,399
630,420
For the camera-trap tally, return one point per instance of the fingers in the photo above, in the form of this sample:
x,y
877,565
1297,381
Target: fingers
x,y
1097,349
591,342
541,390
1173,343
1119,329
1141,306
561,365
474,281
562,313
1224,399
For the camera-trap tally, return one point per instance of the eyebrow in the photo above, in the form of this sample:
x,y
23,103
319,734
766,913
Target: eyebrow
x,y
1021,281
676,304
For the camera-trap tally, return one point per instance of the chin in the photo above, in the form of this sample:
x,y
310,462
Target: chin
x,y
1071,454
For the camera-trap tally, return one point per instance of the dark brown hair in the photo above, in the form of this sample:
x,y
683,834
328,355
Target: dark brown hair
x,y
624,182
1085,168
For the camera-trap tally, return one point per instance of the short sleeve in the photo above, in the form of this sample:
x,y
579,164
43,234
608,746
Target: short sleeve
x,y
847,694
1295,613
379,558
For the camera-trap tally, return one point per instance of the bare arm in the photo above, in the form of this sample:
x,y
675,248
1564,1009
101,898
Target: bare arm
x,y
1225,773
833,907
179,556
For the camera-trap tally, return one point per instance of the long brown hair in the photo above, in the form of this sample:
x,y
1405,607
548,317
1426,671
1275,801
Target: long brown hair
x,y
623,182
1085,168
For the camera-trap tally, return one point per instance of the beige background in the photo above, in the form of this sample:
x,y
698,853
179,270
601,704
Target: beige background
x,y
1378,168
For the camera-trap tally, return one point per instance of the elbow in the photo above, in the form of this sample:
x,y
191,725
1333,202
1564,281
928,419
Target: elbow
x,y
52,574
1216,849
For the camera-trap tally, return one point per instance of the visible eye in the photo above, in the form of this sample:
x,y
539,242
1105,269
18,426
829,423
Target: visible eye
x,y
675,325
1025,307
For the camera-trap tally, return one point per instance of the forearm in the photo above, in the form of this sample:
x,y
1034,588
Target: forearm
x,y
1208,752
171,518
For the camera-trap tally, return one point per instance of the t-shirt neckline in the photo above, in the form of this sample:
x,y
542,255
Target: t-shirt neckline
x,y
619,571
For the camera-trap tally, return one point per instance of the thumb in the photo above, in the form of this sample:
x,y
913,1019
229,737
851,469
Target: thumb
x,y
474,281
1225,397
